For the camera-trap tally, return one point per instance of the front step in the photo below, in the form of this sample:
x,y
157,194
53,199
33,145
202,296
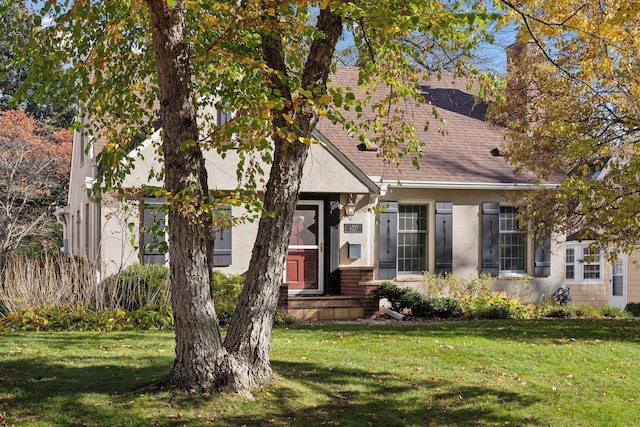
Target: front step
x,y
325,308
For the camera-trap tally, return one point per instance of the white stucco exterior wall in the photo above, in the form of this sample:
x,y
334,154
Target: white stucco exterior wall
x,y
118,252
322,173
467,243
466,239
362,220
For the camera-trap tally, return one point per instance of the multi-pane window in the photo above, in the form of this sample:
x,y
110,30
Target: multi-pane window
x,y
570,260
154,245
591,263
513,241
583,263
224,117
153,233
412,238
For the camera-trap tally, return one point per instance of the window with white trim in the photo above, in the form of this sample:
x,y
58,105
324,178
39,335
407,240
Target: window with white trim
x,y
224,117
513,242
412,239
153,232
570,264
583,263
590,263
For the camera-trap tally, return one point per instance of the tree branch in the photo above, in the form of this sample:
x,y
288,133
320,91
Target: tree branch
x,y
525,19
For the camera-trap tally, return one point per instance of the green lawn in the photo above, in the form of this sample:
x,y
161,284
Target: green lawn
x,y
515,373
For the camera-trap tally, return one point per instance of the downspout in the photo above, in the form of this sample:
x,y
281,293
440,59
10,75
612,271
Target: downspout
x,y
95,241
97,244
61,214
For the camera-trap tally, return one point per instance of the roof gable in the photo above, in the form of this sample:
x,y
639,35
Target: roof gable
x,y
326,169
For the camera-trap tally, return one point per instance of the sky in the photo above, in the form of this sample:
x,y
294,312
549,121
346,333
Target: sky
x,y
495,55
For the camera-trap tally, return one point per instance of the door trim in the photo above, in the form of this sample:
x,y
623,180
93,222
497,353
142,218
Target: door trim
x,y
618,300
320,204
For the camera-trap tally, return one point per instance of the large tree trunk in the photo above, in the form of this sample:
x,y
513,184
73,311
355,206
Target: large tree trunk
x,y
199,363
249,334
202,363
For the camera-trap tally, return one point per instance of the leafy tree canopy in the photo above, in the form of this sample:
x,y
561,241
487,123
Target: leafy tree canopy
x,y
573,108
105,56
18,23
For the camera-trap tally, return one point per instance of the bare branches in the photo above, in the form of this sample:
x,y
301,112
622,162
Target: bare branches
x,y
33,178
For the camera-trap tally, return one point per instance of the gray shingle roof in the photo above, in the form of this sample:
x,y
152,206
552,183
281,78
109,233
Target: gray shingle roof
x,y
462,155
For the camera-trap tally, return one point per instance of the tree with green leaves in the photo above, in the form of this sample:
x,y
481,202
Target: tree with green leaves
x,y
572,105
17,23
127,63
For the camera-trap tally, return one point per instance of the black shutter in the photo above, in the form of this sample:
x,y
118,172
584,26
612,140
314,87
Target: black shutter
x,y
542,259
444,237
222,239
491,238
333,244
388,241
154,237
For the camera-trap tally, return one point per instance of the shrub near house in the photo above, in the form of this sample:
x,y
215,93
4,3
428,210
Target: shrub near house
x,y
144,291
147,285
136,298
447,297
633,308
483,305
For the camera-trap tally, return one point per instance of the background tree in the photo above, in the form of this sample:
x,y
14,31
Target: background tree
x,y
269,62
573,104
33,180
17,23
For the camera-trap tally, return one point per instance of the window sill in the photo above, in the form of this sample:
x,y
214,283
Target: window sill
x,y
514,276
409,277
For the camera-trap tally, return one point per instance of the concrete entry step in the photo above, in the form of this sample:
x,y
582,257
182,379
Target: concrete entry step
x,y
323,301
326,308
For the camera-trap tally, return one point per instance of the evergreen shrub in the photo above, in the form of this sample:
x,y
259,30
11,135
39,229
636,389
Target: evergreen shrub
x,y
633,308
418,305
138,286
226,290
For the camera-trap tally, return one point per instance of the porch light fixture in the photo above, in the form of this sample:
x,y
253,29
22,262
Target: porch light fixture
x,y
350,207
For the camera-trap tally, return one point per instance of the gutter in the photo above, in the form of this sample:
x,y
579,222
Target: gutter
x,y
463,185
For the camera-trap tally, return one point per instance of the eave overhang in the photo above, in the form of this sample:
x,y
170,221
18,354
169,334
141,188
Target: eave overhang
x,y
447,185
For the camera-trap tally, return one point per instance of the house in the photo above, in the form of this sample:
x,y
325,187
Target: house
x,y
596,280
450,215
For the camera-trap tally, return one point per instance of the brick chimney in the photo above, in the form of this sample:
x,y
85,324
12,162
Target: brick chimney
x,y
523,59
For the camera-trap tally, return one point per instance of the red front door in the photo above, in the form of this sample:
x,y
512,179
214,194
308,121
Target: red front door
x,y
305,246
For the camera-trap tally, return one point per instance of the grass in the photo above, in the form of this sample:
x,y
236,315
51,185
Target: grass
x,y
520,373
